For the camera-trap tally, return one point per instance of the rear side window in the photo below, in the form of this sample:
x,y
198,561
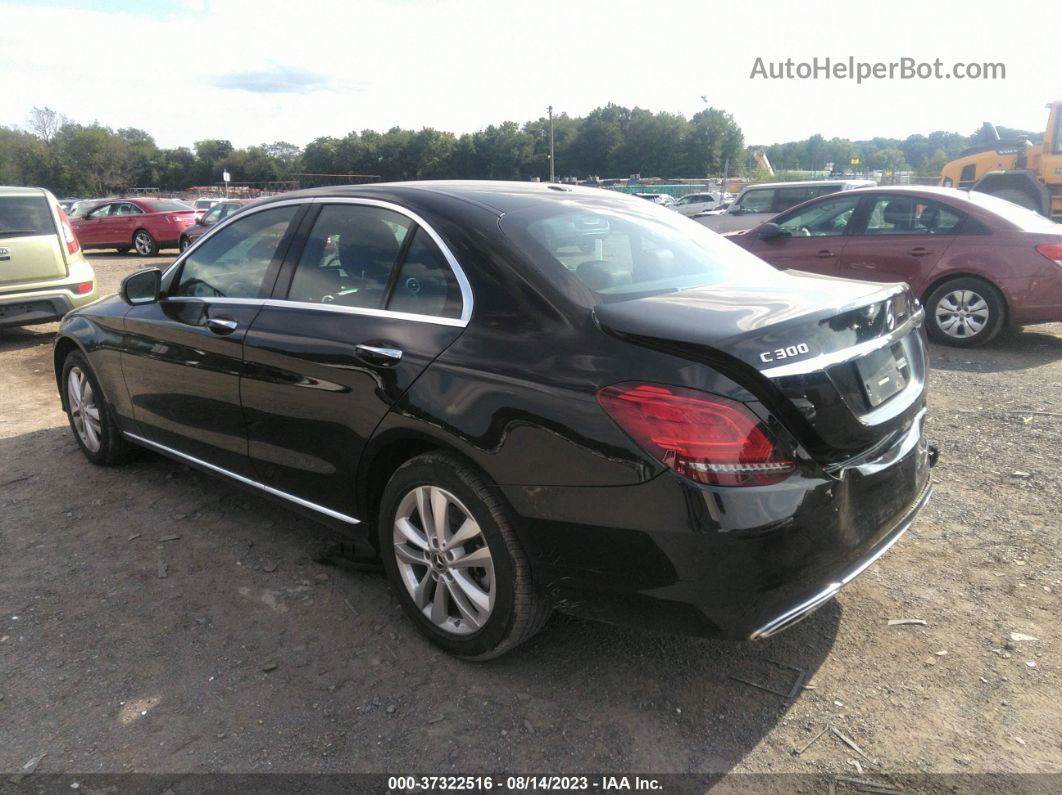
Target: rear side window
x,y
25,216
233,263
349,256
902,215
425,285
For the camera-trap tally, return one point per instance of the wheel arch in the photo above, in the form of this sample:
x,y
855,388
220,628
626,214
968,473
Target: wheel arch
x,y
386,453
947,277
62,348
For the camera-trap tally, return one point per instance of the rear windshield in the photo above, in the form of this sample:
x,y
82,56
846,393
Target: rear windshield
x,y
626,252
1025,219
167,207
24,216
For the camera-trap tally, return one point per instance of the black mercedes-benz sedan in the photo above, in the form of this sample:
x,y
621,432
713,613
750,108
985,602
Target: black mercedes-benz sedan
x,y
525,397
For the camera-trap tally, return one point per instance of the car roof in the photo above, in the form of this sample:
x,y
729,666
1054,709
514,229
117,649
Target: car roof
x,y
496,196
14,190
813,183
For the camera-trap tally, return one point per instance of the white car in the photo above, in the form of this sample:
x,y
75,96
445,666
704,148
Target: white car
x,y
693,203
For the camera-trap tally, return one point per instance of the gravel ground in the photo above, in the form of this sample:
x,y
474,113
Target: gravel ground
x,y
153,619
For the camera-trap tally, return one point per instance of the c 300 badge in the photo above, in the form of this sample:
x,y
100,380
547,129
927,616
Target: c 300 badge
x,y
788,352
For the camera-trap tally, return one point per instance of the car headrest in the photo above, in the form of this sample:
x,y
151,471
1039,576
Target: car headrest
x,y
898,212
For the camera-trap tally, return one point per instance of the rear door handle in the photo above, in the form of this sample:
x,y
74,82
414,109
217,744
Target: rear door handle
x,y
379,354
826,254
919,251
222,325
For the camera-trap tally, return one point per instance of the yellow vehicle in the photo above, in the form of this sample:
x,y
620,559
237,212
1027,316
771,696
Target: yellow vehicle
x,y
1016,170
43,274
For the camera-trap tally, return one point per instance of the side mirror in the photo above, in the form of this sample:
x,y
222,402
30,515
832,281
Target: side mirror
x,y
142,287
770,231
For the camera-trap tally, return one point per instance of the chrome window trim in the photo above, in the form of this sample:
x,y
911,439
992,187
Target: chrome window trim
x,y
277,303
451,260
825,360
247,481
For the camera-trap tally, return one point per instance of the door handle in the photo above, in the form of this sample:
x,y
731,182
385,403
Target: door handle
x,y
378,354
221,325
826,254
919,251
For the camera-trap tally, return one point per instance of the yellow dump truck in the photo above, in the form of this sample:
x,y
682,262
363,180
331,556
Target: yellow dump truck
x,y
1017,170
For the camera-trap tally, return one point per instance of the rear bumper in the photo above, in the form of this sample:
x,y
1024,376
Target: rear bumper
x,y
737,563
32,309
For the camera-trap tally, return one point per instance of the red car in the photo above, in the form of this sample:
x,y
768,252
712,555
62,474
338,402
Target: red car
x,y
977,262
146,225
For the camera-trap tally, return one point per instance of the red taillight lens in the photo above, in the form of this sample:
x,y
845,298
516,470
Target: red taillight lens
x,y
68,233
1053,251
83,288
704,437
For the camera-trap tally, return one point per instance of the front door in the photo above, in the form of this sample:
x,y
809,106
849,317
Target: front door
x,y
183,355
367,304
814,237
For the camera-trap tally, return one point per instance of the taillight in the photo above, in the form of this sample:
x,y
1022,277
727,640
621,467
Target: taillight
x,y
1053,251
83,288
704,437
68,233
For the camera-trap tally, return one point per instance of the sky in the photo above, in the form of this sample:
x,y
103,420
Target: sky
x,y
253,72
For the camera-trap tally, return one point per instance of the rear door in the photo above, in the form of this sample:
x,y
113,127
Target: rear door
x,y
369,301
124,218
815,236
183,355
899,238
30,247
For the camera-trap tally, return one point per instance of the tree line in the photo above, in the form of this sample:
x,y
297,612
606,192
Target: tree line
x,y
74,159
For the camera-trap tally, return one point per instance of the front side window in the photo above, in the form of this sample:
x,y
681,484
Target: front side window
x,y
757,201
102,212
233,263
349,256
825,219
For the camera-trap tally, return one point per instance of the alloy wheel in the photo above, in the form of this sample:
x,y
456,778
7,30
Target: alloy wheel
x,y
962,314
83,409
444,560
145,246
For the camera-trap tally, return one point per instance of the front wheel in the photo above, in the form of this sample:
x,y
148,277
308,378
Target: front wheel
x,y
94,428
183,244
145,244
964,312
452,557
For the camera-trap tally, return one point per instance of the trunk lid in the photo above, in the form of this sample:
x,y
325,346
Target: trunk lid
x,y
840,363
31,249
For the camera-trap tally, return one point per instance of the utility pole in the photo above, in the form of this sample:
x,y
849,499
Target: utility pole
x,y
552,174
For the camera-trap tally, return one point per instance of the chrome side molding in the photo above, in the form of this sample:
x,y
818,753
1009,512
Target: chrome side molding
x,y
246,481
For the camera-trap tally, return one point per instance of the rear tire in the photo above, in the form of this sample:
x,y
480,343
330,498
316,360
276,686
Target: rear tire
x,y
144,243
183,244
472,611
964,312
91,419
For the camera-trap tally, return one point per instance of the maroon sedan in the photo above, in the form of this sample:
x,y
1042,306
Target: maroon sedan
x,y
976,261
146,225
215,215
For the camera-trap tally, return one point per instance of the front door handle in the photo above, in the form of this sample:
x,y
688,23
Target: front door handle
x,y
919,251
826,254
221,325
378,354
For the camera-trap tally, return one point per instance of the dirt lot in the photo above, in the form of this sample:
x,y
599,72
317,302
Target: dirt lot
x,y
250,656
